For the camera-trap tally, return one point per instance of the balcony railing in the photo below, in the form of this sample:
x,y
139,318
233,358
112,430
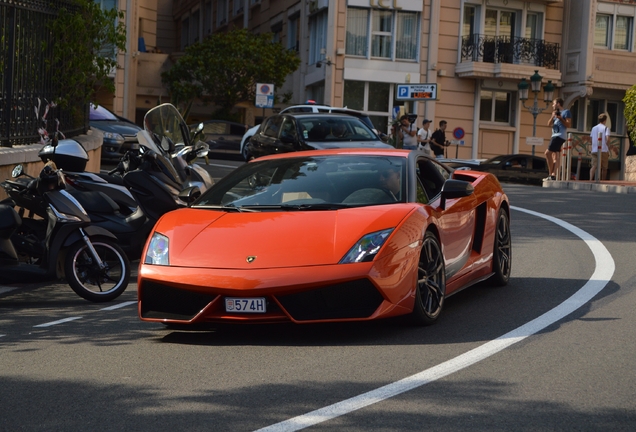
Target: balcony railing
x,y
513,50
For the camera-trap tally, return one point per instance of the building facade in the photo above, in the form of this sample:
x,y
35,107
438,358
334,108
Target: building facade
x,y
355,53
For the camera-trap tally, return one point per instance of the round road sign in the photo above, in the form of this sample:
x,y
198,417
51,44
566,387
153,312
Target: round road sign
x,y
458,133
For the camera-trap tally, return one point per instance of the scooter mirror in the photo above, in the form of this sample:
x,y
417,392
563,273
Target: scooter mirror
x,y
198,133
17,171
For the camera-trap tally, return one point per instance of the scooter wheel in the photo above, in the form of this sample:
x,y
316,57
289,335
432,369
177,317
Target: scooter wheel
x,y
91,282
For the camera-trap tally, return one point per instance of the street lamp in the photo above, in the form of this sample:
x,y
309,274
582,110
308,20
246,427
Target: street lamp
x,y
535,86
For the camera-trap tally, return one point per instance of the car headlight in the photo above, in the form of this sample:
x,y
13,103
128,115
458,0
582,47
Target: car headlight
x,y
367,247
112,136
157,252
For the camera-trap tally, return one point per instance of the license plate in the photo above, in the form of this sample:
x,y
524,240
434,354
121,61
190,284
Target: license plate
x,y
245,305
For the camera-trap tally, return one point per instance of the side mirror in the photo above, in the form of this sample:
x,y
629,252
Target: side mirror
x,y
455,189
17,171
287,139
198,134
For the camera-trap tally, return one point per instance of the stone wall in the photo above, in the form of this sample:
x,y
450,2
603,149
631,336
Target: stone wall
x,y
27,155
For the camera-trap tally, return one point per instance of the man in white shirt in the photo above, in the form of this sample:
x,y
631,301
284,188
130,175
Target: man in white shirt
x,y
603,131
408,132
424,137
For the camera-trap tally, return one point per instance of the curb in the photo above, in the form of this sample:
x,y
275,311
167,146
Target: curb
x,y
609,187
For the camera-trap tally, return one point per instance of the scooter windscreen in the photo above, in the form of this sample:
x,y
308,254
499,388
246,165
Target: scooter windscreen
x,y
165,125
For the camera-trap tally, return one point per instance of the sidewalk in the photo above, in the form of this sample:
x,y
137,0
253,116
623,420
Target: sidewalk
x,y
611,186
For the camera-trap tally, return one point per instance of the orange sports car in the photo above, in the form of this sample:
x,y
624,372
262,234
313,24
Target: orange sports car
x,y
328,235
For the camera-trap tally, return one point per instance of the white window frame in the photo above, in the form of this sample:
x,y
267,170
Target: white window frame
x,y
614,12
493,106
237,7
392,34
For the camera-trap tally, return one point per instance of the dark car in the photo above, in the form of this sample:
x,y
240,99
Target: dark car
x,y
290,132
119,132
515,168
223,137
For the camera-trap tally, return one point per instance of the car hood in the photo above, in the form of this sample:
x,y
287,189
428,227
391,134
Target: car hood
x,y
115,127
214,239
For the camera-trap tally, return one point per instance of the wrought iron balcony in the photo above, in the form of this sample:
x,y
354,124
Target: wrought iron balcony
x,y
513,50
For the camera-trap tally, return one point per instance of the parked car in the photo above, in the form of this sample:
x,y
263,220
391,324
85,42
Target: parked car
x,y
513,168
284,133
223,137
308,108
324,236
119,132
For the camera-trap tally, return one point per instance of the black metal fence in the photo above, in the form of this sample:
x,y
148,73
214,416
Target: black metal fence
x,y
26,82
506,49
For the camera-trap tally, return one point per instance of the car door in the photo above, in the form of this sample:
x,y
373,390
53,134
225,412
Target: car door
x,y
266,140
288,138
456,221
215,133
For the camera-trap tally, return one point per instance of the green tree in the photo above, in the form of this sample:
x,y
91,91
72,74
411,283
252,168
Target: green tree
x,y
224,68
630,111
84,51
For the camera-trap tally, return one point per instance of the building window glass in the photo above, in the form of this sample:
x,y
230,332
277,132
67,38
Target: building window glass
x,y
238,7
354,94
357,23
382,34
292,33
468,22
379,96
623,33
317,36
185,31
194,27
494,106
406,39
372,98
221,12
207,19
602,31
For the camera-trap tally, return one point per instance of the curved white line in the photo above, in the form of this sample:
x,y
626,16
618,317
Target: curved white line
x,y
599,279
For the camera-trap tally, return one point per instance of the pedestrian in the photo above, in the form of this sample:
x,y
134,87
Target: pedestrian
x,y
424,137
408,133
602,130
560,121
438,140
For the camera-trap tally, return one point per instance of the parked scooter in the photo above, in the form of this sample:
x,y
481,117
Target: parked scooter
x,y
166,133
53,237
70,156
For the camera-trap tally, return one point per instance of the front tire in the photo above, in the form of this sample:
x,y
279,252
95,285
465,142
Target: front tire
x,y
431,282
88,280
502,255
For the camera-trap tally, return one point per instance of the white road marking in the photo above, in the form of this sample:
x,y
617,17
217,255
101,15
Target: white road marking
x,y
120,305
602,275
52,323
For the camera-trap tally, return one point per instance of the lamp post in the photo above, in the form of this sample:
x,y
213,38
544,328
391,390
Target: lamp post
x,y
535,86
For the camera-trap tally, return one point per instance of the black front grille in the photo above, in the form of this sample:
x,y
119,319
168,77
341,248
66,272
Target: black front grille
x,y
165,302
355,299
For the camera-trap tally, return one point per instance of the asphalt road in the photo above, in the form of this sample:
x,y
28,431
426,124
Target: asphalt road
x,y
106,370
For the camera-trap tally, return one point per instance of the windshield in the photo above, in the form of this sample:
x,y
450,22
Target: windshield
x,y
165,123
494,161
97,112
330,129
303,183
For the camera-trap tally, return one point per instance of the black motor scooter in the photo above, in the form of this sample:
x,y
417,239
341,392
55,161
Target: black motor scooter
x,y
51,235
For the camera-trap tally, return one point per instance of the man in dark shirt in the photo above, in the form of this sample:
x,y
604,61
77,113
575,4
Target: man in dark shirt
x,y
439,140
